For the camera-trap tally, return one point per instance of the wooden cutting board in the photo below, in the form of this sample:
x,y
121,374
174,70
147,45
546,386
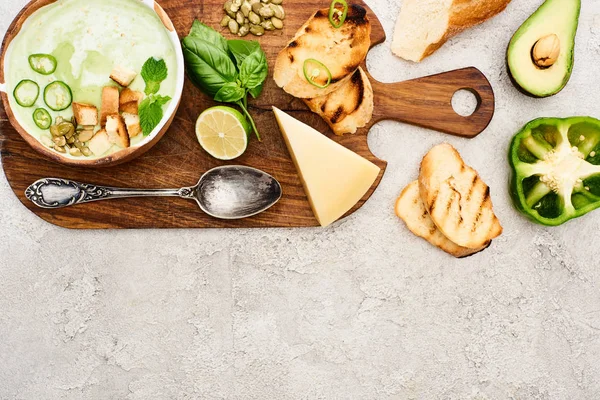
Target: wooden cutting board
x,y
178,160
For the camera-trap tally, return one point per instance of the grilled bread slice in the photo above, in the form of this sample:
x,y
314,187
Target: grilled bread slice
x,y
424,26
340,50
456,198
411,210
348,108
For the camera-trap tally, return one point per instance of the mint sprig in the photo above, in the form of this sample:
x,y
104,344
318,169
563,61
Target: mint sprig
x,y
154,72
151,112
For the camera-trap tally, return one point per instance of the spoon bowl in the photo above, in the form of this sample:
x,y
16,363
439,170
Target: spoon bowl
x,y
228,192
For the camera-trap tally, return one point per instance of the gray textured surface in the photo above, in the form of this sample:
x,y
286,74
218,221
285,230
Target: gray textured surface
x,y
362,310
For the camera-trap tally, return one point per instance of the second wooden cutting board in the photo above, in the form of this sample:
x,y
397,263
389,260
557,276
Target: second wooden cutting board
x,y
179,161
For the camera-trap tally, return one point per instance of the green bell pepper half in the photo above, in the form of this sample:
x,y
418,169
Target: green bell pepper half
x,y
556,169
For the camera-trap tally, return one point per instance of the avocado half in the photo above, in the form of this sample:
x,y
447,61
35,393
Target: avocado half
x,y
554,17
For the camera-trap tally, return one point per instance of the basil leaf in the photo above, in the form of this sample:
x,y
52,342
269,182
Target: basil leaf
x,y
208,66
254,69
151,112
230,93
240,49
208,34
255,92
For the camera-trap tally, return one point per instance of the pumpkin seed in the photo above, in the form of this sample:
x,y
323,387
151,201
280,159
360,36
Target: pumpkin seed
x,y
239,18
244,29
60,149
78,144
85,136
257,30
60,141
75,152
266,12
225,21
234,27
54,131
277,2
256,7
66,128
268,25
277,23
71,140
280,13
86,151
246,8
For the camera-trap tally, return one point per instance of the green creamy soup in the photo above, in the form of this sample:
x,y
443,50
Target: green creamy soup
x,y
88,38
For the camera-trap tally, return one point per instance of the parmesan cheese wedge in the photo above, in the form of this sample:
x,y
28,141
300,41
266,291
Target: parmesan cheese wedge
x,y
335,179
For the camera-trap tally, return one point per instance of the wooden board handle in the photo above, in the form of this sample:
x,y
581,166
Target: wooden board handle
x,y
427,102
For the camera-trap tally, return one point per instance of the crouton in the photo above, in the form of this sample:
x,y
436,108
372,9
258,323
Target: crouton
x,y
100,143
132,122
110,103
130,108
128,95
122,75
130,100
85,114
117,131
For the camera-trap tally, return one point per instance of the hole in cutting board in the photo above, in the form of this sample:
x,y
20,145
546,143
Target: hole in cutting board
x,y
465,102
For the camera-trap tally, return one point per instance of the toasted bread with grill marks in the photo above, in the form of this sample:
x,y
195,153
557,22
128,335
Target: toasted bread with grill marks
x,y
412,211
348,108
456,198
341,50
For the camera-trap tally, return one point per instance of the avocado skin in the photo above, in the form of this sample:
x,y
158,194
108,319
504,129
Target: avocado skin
x,y
570,67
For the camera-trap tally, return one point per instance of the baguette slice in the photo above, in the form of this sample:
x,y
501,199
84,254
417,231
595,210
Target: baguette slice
x,y
348,108
340,50
425,25
411,210
456,198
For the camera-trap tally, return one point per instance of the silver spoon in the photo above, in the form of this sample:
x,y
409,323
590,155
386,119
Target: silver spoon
x,y
230,192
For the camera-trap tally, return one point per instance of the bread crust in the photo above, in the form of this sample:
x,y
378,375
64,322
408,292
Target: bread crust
x,y
348,108
465,14
340,50
457,199
410,208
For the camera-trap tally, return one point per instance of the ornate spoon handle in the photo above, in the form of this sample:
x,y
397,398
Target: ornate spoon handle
x,y
59,193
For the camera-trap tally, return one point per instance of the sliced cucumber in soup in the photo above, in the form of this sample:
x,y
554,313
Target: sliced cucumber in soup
x,y
58,96
42,118
26,93
44,64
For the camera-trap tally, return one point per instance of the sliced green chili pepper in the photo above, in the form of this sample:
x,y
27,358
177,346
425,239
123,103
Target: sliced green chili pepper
x,y
42,118
44,64
556,169
58,96
315,72
26,93
337,17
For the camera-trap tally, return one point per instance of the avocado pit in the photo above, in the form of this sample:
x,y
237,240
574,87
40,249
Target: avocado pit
x,y
545,52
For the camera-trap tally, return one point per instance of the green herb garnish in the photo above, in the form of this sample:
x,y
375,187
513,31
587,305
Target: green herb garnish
x,y
226,70
154,72
151,112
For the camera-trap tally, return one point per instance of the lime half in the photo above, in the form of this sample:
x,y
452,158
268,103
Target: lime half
x,y
223,132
